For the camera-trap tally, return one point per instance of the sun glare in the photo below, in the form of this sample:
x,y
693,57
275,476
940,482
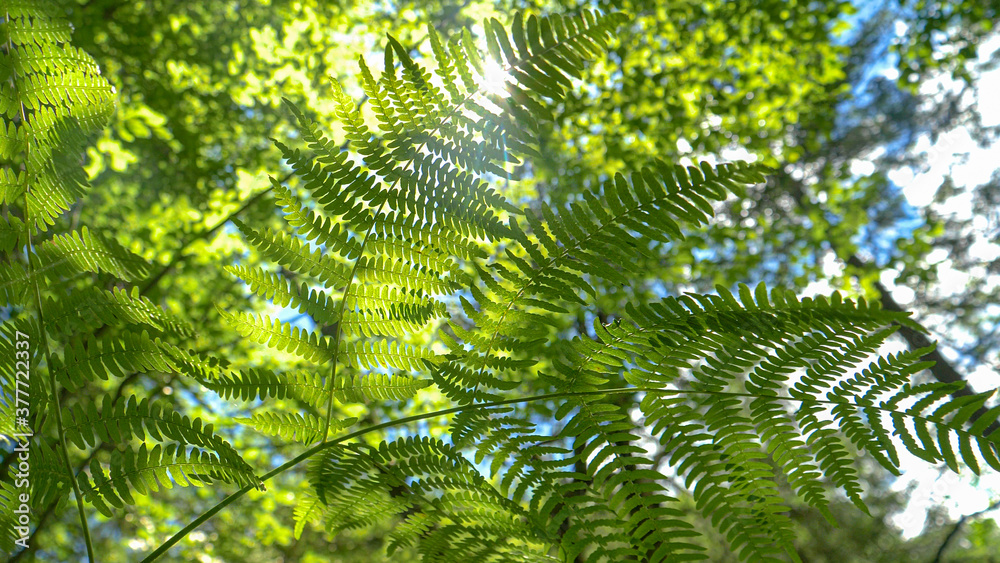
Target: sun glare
x,y
494,79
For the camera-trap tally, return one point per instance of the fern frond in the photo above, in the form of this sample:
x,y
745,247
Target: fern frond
x,y
291,253
404,227
11,231
83,251
430,481
548,49
387,270
69,255
338,186
49,480
195,365
388,311
14,280
121,421
621,485
116,356
951,422
92,307
310,388
146,471
281,336
619,222
304,428
720,437
402,223
8,520
418,199
54,98
314,227
269,285
375,387
387,354
249,385
602,237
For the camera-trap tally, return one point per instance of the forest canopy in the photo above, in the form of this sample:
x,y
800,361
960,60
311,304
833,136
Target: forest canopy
x,y
498,280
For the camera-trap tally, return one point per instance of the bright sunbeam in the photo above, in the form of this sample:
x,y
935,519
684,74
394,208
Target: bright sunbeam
x,y
494,79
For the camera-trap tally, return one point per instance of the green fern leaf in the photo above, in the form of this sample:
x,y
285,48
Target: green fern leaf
x,y
116,356
145,471
281,336
140,419
54,98
292,254
376,386
304,428
252,384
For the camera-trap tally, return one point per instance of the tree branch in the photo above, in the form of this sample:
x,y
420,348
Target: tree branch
x,y
958,526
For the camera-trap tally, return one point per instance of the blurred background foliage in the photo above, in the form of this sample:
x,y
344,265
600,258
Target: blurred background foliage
x,y
834,94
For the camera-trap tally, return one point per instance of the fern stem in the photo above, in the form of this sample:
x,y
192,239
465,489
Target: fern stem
x,y
340,318
57,406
